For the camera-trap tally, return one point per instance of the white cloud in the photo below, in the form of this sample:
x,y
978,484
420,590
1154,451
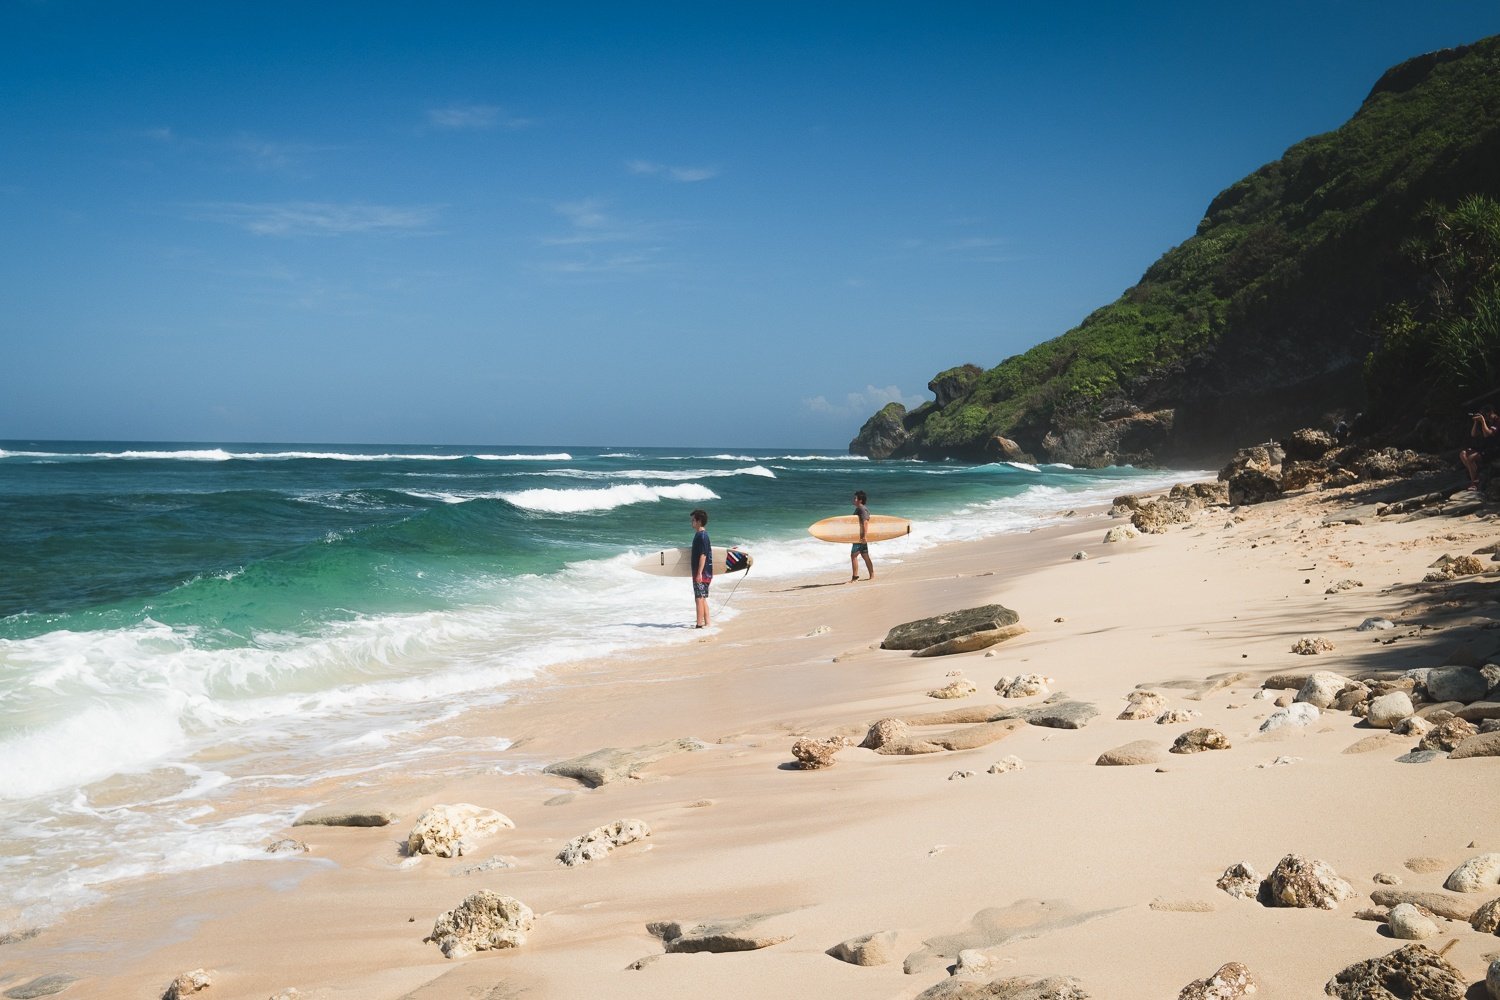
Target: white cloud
x,y
685,175
473,117
862,404
305,218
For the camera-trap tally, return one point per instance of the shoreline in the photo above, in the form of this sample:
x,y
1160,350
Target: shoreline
x,y
879,843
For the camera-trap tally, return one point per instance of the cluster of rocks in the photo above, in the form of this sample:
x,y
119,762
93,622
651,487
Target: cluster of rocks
x,y
1180,505
1452,710
1312,458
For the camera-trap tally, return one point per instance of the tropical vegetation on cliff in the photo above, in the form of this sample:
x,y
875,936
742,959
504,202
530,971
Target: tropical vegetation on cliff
x,y
1357,272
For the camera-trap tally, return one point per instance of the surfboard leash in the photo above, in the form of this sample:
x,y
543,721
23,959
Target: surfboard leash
x,y
736,586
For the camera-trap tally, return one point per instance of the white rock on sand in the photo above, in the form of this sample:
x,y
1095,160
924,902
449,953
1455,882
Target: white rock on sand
x,y
446,831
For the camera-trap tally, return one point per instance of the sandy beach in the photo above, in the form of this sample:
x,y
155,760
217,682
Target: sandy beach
x,y
1058,867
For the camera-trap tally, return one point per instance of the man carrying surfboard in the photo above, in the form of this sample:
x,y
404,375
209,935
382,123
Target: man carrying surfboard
x,y
703,565
861,547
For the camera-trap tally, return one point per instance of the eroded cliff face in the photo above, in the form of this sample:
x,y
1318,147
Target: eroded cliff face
x,y
1260,322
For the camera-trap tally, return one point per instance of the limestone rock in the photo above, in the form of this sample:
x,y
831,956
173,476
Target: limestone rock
x,y
1321,687
1065,714
870,949
812,755
1447,736
1305,882
615,763
958,686
1233,980
338,815
1412,971
1464,684
188,983
744,934
982,639
1408,923
1486,919
1343,585
1198,740
1388,709
1475,875
1143,705
601,840
1131,754
1023,686
484,921
1120,533
446,831
1312,646
1007,764
1156,517
1302,714
1241,880
1307,444
1176,716
925,632
886,732
1253,486
287,845
1483,745
1007,988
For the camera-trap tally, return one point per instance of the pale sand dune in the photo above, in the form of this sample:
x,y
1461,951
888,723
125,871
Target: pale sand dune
x,y
1068,856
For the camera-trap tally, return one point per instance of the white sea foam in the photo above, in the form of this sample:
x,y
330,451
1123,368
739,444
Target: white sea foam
x,y
668,475
553,501
1023,466
222,455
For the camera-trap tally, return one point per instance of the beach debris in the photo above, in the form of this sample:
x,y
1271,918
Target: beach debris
x,y
42,986
1343,585
1177,716
742,934
1233,980
188,983
1143,705
1385,711
1241,880
925,632
958,686
495,864
1120,533
1409,922
641,963
1321,688
993,926
1199,740
444,831
484,921
1453,567
1483,745
820,630
1474,875
343,815
615,763
1024,686
1375,625
287,845
1080,555
1131,754
1447,735
1301,714
1162,905
1306,882
1007,988
1312,647
1413,970
1486,919
1281,761
599,841
959,775
878,948
1007,764
813,755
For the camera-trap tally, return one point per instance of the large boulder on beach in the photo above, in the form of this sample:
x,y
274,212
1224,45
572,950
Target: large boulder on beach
x,y
1388,709
1414,971
484,921
1253,486
1322,688
1475,875
447,831
1306,882
1483,745
926,632
1463,684
1407,922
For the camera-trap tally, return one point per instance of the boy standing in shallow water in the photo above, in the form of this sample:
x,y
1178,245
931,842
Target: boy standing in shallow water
x,y
703,565
861,547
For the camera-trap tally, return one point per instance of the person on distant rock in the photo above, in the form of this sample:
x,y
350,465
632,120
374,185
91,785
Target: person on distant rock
x,y
1484,429
1341,432
861,547
703,565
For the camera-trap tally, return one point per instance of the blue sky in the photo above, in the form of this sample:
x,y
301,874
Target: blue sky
x,y
610,224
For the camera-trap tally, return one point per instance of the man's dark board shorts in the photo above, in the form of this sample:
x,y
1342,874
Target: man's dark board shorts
x,y
859,549
701,589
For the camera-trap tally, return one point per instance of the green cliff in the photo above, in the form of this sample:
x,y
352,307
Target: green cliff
x,y
1313,288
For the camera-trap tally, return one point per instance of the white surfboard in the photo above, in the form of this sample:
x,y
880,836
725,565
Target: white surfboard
x,y
679,561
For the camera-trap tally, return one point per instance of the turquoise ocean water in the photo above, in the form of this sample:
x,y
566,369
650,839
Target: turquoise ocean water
x,y
188,627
